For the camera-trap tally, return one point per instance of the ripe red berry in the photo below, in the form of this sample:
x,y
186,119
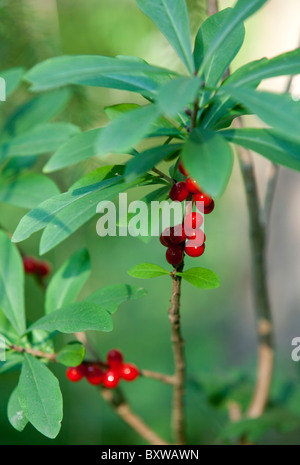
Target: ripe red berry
x,y
94,374
196,237
208,204
75,374
111,379
193,221
192,186
30,265
129,372
114,358
179,192
182,169
165,237
43,269
194,250
209,208
174,255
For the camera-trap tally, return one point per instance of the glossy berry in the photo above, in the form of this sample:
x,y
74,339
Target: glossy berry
x,y
94,374
43,269
182,169
75,374
30,265
129,372
202,197
111,379
165,237
174,255
192,186
179,192
194,250
115,358
209,208
196,236
177,234
193,221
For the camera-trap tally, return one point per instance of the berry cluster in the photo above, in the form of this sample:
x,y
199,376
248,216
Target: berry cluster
x,y
36,267
187,237
108,375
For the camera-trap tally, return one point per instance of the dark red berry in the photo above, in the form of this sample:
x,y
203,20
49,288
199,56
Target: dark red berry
x,y
196,236
165,237
192,186
177,234
209,208
179,192
193,221
201,197
94,374
75,374
174,255
30,265
194,250
43,269
111,379
129,372
115,358
182,169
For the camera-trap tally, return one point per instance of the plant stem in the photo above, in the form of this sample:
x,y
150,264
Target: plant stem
x,y
33,352
167,379
212,7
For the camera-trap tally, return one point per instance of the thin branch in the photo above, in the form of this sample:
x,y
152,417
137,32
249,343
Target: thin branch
x,y
212,7
33,352
163,175
117,400
167,379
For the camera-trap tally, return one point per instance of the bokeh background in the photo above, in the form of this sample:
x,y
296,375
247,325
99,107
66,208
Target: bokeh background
x,y
218,325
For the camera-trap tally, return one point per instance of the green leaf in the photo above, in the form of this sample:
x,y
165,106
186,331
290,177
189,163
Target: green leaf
x,y
268,143
40,397
13,363
208,156
111,297
171,18
146,160
185,89
6,328
77,317
78,148
27,190
126,130
147,271
11,284
201,278
124,73
224,55
277,110
15,412
241,11
113,111
67,282
71,355
37,111
12,79
42,139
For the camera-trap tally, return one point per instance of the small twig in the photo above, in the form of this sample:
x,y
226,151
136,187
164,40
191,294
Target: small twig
x,y
33,352
163,175
168,379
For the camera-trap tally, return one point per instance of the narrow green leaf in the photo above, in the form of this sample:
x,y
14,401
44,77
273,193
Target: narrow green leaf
x,y
44,138
111,297
147,271
113,111
12,364
67,282
11,284
15,412
224,55
126,130
185,89
71,354
209,157
201,278
77,317
148,159
277,110
171,18
40,397
268,143
27,190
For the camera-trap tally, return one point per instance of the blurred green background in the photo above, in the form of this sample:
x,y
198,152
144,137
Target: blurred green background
x,y
218,326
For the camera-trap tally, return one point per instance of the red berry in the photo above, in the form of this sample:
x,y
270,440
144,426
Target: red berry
x,y
209,208
129,372
193,221
194,250
173,236
30,265
111,379
43,269
174,255
114,358
192,186
196,237
201,197
182,169
75,374
179,192
94,374
165,237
